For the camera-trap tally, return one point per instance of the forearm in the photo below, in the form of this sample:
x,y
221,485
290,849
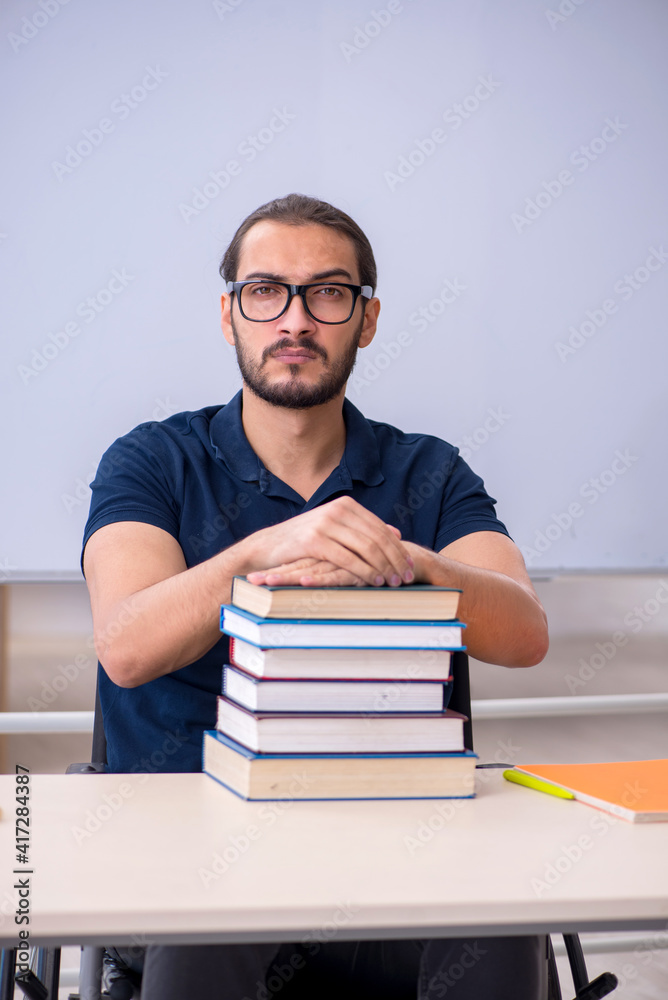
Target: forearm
x,y
152,615
171,623
505,621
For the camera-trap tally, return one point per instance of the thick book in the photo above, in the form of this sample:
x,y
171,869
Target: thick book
x,y
331,696
337,776
347,664
635,790
418,602
342,634
341,732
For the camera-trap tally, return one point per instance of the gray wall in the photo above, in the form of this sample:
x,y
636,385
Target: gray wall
x,y
507,160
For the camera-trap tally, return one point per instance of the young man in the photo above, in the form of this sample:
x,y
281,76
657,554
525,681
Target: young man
x,y
287,483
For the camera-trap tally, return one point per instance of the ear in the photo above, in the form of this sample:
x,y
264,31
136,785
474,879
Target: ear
x,y
371,311
226,318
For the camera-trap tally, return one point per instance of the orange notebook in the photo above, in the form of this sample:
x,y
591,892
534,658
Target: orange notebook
x,y
636,790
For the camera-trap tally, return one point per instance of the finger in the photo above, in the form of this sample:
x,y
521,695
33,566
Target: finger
x,y
321,574
371,546
317,573
366,536
388,538
333,578
260,576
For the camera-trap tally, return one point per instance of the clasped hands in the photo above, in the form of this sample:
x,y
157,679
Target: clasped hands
x,y
339,544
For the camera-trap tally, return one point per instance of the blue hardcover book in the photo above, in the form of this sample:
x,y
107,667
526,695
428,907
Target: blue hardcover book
x,y
313,633
307,776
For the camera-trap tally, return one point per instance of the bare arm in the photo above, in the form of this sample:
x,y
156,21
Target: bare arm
x,y
506,623
152,615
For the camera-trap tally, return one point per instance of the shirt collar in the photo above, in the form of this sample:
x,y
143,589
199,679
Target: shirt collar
x,y
361,455
361,458
230,444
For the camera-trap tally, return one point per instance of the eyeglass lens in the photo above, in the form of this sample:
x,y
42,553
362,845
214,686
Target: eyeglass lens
x,y
263,300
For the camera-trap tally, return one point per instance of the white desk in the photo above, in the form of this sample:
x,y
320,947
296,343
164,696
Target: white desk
x,y
321,867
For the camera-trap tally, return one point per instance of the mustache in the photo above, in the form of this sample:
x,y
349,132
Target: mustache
x,y
306,342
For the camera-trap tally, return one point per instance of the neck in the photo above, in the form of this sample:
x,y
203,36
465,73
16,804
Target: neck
x,y
301,447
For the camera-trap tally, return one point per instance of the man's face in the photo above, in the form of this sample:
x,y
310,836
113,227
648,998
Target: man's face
x,y
295,361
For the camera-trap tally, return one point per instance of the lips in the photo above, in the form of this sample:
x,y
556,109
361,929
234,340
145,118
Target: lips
x,y
295,356
284,353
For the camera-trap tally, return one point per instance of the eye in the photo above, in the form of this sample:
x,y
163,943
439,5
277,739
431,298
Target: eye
x,y
328,291
261,291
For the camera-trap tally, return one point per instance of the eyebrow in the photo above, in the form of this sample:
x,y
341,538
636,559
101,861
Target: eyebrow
x,y
321,275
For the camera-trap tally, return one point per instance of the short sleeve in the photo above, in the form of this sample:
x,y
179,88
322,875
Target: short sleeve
x,y
466,506
132,483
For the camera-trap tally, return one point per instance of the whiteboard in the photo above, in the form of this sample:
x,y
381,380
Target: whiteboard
x,y
507,161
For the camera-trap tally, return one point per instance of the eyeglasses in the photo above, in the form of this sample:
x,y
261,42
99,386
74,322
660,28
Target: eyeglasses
x,y
326,302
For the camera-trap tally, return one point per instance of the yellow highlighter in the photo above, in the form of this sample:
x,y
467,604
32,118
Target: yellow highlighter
x,y
540,786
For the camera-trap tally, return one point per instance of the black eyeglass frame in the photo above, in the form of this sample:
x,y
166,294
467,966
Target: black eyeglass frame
x,y
365,291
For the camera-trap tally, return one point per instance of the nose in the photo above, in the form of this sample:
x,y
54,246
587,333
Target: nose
x,y
295,319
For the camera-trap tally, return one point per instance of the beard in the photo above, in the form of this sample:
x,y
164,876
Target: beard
x,y
293,393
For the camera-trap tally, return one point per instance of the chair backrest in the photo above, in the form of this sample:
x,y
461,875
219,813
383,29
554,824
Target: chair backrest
x,y
99,750
460,698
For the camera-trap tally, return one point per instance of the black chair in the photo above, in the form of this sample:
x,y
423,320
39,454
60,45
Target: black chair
x,y
126,981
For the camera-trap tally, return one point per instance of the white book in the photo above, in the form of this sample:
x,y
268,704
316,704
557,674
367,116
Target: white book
x,y
331,696
348,664
321,732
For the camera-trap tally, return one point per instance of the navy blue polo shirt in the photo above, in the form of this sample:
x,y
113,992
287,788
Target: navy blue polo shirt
x,y
196,476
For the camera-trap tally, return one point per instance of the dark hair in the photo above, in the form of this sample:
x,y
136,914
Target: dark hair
x,y
300,210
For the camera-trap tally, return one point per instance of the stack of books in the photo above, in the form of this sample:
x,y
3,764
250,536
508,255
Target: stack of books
x,y
339,693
